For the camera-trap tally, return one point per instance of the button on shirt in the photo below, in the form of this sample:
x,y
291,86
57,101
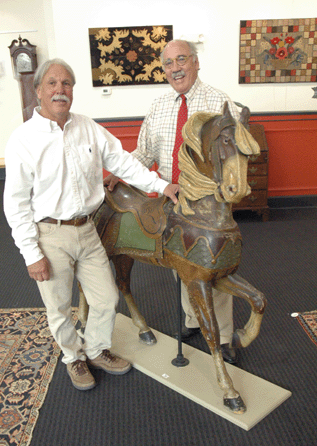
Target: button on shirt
x,y
57,173
157,134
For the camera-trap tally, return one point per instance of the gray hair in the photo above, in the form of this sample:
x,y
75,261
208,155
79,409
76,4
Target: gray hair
x,y
43,69
192,47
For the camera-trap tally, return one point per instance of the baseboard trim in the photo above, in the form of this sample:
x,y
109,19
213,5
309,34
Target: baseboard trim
x,y
296,201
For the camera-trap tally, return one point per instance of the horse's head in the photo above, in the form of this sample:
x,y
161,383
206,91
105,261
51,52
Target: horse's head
x,y
217,149
227,147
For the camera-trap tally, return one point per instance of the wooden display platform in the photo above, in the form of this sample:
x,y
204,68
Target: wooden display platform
x,y
197,381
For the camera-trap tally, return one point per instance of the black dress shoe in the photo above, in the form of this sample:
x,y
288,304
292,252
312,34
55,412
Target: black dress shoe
x,y
187,333
229,354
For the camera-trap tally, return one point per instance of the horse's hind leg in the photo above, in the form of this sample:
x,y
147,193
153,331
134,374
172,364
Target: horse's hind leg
x,y
239,287
123,265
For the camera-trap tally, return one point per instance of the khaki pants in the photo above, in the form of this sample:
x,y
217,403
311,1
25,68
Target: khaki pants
x,y
77,251
223,310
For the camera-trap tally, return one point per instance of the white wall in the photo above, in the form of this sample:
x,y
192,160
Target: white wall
x,y
17,15
63,32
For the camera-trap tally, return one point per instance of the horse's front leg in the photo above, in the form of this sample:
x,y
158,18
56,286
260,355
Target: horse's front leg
x,y
200,294
239,287
123,265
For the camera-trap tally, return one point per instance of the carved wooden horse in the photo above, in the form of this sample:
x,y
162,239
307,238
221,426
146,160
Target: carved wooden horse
x,y
198,237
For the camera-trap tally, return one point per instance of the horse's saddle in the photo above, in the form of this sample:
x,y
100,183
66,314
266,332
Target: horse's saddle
x,y
148,212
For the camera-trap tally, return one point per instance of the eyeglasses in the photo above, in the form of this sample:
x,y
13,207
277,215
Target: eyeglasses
x,y
180,60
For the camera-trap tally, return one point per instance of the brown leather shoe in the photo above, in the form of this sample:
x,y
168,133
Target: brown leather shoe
x,y
110,363
80,375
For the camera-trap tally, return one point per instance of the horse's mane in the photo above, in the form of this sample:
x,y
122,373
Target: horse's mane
x,y
194,185
192,130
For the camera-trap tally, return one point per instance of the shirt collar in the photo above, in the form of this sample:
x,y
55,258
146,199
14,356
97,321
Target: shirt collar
x,y
44,124
189,95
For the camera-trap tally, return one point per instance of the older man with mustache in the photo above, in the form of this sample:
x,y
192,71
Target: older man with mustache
x,y
159,140
54,182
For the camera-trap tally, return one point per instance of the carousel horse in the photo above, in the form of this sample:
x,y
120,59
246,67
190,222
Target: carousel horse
x,y
197,237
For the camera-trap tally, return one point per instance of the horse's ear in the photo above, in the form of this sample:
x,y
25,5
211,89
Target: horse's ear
x,y
225,110
245,116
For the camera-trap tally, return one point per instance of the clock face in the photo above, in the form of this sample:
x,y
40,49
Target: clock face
x,y
23,63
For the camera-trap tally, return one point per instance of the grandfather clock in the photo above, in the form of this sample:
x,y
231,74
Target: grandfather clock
x,y
24,62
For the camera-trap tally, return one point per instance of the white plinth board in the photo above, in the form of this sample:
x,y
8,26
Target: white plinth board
x,y
196,381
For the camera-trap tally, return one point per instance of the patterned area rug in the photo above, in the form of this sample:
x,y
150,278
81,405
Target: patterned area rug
x,y
28,357
308,321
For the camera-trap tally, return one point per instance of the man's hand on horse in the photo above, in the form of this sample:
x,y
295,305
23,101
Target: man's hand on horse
x,y
170,191
40,270
110,181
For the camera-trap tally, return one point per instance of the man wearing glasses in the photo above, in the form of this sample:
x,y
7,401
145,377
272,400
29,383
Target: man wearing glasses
x,y
156,144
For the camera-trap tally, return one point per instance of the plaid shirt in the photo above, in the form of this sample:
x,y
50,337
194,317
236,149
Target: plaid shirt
x,y
157,135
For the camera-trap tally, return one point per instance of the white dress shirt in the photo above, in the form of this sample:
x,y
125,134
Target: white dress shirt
x,y
57,173
158,130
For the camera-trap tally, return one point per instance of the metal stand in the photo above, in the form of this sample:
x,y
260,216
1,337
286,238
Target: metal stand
x,y
179,361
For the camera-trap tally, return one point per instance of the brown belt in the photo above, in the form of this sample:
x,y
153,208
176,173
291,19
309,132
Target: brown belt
x,y
78,221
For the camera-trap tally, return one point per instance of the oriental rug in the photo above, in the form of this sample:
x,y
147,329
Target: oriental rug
x,y
28,357
308,321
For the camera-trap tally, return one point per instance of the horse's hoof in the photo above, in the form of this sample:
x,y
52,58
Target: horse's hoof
x,y
147,337
236,405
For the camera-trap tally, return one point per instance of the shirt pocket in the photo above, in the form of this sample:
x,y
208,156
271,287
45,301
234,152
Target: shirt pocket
x,y
90,161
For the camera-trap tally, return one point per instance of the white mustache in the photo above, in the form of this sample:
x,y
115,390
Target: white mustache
x,y
60,97
178,73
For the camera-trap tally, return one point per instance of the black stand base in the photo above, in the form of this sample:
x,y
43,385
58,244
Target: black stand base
x,y
180,361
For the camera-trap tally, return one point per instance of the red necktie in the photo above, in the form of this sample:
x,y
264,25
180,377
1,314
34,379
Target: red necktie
x,y
181,119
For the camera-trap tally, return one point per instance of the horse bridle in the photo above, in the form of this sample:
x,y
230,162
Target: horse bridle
x,y
214,151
